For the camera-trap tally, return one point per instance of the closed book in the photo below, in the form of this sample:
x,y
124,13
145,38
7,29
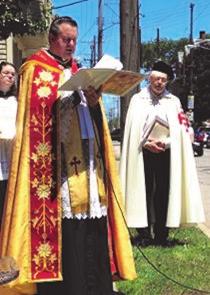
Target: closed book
x,y
158,129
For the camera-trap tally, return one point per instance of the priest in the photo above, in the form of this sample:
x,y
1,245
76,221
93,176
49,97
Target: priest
x,y
63,220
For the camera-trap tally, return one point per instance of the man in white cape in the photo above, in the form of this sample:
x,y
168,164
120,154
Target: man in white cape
x,y
158,175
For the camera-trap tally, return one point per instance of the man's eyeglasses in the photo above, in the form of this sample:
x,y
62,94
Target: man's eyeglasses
x,y
4,74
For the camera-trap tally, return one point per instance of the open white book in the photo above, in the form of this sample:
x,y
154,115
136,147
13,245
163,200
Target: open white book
x,y
158,130
111,80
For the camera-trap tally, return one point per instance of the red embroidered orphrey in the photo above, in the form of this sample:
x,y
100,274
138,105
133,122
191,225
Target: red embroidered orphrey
x,y
43,170
45,216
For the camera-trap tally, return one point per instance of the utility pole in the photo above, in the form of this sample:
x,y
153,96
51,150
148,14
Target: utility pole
x,y
100,28
140,38
190,97
158,42
191,22
129,47
140,49
93,52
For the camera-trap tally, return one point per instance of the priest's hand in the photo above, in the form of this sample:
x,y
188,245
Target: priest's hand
x,y
155,146
92,95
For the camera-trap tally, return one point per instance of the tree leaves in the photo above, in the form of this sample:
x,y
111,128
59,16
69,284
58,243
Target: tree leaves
x,y
24,16
165,49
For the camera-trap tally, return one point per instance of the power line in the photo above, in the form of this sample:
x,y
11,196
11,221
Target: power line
x,y
111,37
73,3
114,12
154,14
154,19
112,25
88,31
202,12
166,13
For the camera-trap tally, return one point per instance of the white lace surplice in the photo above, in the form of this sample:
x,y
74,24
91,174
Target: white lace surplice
x,y
96,209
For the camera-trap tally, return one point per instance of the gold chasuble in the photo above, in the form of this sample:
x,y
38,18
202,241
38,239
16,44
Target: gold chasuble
x,y
31,226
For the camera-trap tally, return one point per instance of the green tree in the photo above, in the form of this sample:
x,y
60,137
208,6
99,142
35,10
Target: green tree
x,y
24,16
168,50
200,57
193,75
195,80
113,123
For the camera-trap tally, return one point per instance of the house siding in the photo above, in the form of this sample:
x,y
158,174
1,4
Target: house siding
x,y
3,50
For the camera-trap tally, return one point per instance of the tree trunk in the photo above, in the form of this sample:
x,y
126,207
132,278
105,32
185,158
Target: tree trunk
x,y
129,47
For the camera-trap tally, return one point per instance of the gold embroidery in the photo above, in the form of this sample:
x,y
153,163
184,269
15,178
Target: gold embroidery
x,y
43,149
44,91
46,76
43,191
37,81
35,182
44,259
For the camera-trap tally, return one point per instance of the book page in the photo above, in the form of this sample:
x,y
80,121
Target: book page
x,y
112,81
121,82
109,62
87,77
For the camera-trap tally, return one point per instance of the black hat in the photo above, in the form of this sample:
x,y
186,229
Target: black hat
x,y
162,67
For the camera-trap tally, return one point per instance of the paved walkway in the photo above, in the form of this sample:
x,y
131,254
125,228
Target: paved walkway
x,y
203,168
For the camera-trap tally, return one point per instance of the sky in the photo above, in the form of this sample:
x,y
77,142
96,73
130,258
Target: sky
x,y
172,17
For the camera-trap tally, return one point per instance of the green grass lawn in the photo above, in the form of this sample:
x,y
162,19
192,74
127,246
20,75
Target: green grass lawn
x,y
188,264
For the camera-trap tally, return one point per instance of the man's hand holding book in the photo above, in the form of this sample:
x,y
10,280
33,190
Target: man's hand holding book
x,y
155,136
155,146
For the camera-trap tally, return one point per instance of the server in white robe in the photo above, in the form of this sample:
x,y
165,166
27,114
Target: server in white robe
x,y
8,109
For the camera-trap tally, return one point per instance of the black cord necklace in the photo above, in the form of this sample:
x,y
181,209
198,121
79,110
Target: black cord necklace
x,y
66,63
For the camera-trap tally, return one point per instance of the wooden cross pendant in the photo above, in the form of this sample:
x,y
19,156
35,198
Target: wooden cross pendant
x,y
74,163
